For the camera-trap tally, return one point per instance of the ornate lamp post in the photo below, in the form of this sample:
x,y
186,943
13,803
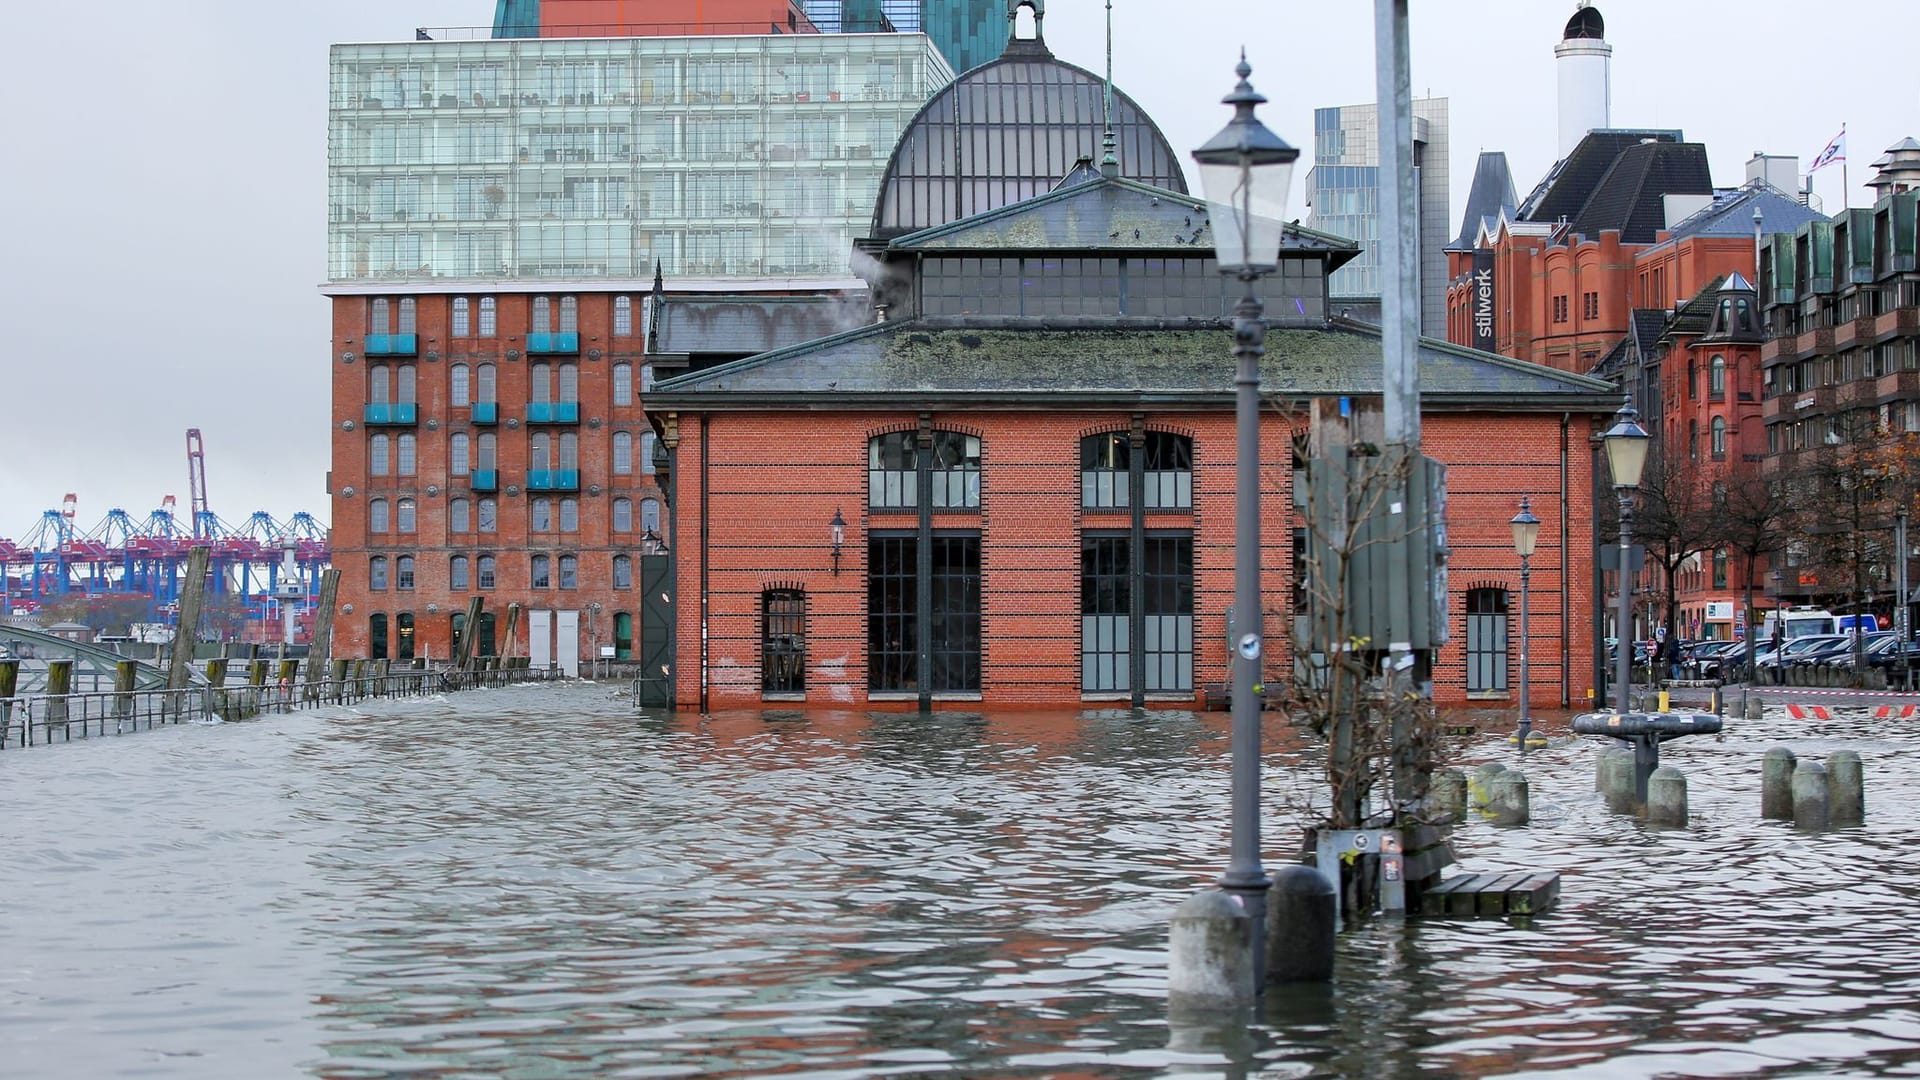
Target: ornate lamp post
x,y
1246,172
1626,445
1526,530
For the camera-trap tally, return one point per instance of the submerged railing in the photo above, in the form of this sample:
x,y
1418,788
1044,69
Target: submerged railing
x,y
38,719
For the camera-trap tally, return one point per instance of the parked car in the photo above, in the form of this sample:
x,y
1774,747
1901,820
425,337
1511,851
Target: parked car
x,y
1797,647
1840,652
1890,652
1712,658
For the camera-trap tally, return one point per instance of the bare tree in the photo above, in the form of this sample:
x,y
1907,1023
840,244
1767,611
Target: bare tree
x,y
1751,516
1674,518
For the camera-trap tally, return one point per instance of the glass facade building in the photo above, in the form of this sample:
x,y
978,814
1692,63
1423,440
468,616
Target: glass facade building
x,y
1344,199
968,33
717,157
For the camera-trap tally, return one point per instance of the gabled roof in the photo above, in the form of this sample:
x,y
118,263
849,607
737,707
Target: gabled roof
x,y
1488,200
1631,195
1103,213
998,363
752,324
1571,182
1691,318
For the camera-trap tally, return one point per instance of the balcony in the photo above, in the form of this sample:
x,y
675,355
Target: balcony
x,y
564,342
553,412
396,413
393,344
485,412
553,479
485,480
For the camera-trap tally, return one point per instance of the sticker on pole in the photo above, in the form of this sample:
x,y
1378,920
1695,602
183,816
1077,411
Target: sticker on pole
x,y
1250,646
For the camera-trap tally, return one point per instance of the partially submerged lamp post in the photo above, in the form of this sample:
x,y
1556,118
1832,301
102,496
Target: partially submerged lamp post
x,y
1626,446
1246,172
1526,530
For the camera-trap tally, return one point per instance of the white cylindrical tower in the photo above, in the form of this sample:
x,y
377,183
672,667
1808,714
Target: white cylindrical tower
x,y
1586,86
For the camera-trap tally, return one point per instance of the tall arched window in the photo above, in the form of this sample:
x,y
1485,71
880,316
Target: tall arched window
x,y
459,515
1167,467
486,384
540,513
623,571
408,458
622,452
569,515
406,385
379,455
540,451
650,516
405,518
379,384
462,317
893,464
569,571
1717,377
1719,437
459,388
484,567
488,313
542,577
377,573
623,515
623,316
623,384
569,451
457,448
569,384
540,384
377,636
457,570
378,520
1486,640
783,641
403,572
487,516
485,452
647,442
403,636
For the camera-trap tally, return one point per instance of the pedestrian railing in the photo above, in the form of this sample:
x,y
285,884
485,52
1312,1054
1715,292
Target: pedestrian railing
x,y
38,719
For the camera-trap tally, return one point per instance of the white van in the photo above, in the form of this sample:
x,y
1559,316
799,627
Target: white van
x,y
1798,622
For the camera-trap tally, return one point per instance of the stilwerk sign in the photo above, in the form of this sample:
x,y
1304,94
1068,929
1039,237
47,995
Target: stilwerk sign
x,y
1483,299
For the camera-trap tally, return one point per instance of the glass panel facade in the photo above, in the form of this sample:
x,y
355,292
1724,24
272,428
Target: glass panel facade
x,y
1150,288
1027,122
892,609
533,158
1486,640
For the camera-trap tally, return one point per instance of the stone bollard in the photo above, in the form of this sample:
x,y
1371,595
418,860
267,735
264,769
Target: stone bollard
x,y
1812,808
1617,781
1844,785
59,685
1756,708
125,678
1479,789
1209,956
1776,783
1450,793
1667,797
1300,918
1507,798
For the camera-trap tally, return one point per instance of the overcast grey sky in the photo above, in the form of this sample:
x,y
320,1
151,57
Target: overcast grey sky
x,y
167,162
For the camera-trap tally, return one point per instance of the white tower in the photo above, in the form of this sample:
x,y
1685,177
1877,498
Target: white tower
x,y
1586,86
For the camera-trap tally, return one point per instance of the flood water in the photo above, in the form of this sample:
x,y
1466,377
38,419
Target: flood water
x,y
539,882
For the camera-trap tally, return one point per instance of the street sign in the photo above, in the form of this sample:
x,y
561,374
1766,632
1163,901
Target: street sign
x,y
1610,557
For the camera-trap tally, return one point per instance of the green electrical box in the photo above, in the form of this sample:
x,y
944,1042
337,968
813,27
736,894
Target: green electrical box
x,y
1376,539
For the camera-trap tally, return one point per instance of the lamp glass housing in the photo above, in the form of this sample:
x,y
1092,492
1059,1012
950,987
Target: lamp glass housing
x,y
1246,173
1526,530
1626,442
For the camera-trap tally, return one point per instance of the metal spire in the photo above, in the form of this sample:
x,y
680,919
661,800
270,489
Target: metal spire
x,y
1109,162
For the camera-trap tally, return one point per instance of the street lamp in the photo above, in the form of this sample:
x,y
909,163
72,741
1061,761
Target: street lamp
x,y
837,535
1246,172
1626,443
1526,530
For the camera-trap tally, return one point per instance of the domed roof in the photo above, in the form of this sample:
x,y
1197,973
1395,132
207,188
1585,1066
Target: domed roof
x,y
1008,130
1586,23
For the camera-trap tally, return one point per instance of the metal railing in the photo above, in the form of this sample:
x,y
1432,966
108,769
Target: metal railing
x,y
40,719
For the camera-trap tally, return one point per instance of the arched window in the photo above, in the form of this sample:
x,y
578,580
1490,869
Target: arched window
x,y
485,448
378,520
1486,640
1719,437
462,317
408,463
486,385
540,384
379,455
569,314
403,635
542,576
569,571
459,388
459,515
484,572
406,519
893,464
623,316
377,636
408,308
406,384
569,451
1167,467
377,573
379,318
542,318
1693,378
540,451
569,384
623,571
650,516
487,515
783,641
622,452
457,447
379,384
488,313
1721,557
1717,377
648,440
623,635
623,515
569,515
403,572
541,513
623,384
457,573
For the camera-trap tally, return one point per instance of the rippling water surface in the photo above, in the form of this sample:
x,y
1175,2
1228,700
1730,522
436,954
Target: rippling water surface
x,y
536,882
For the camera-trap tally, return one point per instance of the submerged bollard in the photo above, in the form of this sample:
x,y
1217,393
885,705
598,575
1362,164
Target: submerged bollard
x,y
1667,797
1755,707
1479,789
1776,783
1449,791
1616,781
9,683
1507,799
1844,787
1210,956
1300,926
1811,806
59,685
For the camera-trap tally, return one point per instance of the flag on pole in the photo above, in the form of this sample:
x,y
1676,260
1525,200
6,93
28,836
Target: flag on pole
x,y
1835,151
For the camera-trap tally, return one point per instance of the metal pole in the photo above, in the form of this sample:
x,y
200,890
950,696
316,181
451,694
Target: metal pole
x,y
1245,879
1900,613
1526,718
1623,633
1399,254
